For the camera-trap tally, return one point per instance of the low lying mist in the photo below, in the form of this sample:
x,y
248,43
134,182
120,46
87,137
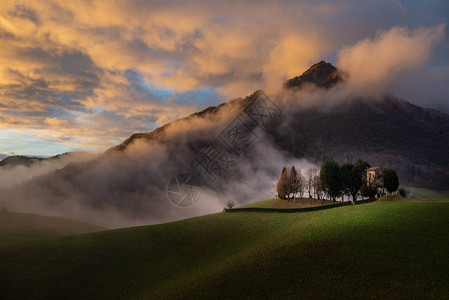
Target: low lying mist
x,y
129,187
15,174
230,149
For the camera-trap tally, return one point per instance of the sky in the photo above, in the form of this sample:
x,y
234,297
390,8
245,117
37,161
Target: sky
x,y
85,75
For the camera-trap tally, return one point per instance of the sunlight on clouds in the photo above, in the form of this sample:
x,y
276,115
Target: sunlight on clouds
x,y
65,65
291,54
375,61
55,122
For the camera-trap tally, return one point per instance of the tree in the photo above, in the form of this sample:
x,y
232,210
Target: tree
x,y
301,183
230,203
330,175
361,166
347,179
282,186
403,192
353,177
318,187
368,191
293,182
391,180
310,176
358,174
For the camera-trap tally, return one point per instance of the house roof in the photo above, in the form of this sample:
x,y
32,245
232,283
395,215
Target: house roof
x,y
373,169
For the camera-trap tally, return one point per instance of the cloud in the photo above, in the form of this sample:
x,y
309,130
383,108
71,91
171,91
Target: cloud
x,y
414,87
12,174
374,62
128,187
24,12
145,63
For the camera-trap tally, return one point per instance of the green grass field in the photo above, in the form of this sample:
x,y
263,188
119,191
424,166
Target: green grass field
x,y
381,250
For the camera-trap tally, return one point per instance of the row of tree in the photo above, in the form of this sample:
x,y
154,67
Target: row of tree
x,y
346,179
335,181
293,182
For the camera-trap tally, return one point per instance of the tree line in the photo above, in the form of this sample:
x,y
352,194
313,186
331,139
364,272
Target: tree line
x,y
334,180
293,182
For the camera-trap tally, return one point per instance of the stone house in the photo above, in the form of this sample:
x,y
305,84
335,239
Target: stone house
x,y
374,177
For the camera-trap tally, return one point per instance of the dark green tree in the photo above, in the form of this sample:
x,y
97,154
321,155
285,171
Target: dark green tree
x,y
330,175
368,191
403,192
361,166
347,180
391,180
353,177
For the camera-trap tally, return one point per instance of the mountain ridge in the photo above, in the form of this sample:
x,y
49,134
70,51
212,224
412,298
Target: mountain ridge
x,y
317,145
29,160
131,180
321,74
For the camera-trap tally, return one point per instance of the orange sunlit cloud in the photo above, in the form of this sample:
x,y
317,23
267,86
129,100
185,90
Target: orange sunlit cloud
x,y
96,72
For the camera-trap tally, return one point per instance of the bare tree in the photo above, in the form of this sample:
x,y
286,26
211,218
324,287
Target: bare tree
x,y
311,173
300,183
230,203
318,187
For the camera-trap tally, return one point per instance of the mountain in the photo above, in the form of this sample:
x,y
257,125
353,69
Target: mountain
x,y
411,139
385,132
15,160
237,149
28,161
322,74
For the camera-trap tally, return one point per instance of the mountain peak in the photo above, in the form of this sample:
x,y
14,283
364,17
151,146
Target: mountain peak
x,y
322,74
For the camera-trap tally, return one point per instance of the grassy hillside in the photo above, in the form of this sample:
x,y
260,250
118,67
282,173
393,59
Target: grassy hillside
x,y
20,226
279,203
379,250
421,193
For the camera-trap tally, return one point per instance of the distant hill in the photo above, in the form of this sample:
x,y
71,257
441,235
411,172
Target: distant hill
x,y
21,225
16,160
27,161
